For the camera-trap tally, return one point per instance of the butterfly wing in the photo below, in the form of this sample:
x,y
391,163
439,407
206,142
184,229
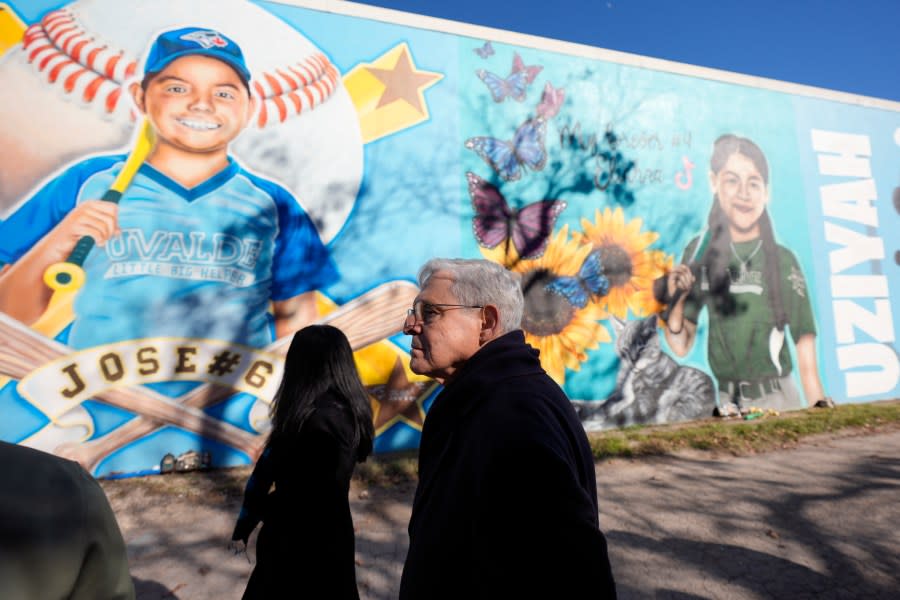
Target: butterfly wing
x,y
530,71
532,226
497,85
497,153
492,214
591,275
551,101
517,86
529,144
570,289
484,51
518,65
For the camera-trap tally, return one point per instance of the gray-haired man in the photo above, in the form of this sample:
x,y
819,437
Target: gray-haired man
x,y
506,505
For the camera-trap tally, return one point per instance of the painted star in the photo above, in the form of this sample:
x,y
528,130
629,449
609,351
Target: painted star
x,y
399,400
404,82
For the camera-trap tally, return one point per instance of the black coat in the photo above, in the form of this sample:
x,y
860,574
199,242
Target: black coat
x,y
306,545
58,534
506,505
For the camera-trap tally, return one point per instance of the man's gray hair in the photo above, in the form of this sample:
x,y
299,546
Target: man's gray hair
x,y
481,282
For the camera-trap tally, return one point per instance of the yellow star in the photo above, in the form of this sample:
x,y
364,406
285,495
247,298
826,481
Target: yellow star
x,y
399,400
404,82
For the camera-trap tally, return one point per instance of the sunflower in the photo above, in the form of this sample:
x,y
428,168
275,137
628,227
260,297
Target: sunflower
x,y
562,331
630,267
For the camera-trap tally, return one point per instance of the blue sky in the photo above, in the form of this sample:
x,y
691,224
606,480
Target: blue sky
x,y
846,45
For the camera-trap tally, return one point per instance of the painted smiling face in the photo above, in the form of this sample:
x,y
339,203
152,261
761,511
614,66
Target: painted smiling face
x,y
743,195
197,104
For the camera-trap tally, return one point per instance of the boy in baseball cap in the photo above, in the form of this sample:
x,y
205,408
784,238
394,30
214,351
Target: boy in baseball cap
x,y
197,246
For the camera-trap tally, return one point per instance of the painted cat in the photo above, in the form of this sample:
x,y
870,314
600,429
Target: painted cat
x,y
650,386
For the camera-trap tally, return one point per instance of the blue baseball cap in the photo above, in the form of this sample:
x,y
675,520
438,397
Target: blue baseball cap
x,y
188,41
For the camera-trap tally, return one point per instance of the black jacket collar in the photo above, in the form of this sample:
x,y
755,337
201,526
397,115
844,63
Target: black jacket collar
x,y
501,358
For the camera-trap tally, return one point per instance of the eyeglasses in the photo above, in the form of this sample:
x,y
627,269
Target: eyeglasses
x,y
426,312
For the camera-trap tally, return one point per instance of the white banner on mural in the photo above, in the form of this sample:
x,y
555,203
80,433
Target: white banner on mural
x,y
62,384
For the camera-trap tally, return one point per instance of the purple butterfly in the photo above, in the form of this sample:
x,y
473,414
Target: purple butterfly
x,y
507,158
486,50
529,228
551,101
514,85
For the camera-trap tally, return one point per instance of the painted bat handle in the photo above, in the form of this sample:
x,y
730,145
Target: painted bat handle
x,y
86,244
69,274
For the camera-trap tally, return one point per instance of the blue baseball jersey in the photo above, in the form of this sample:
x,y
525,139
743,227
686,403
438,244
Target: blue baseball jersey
x,y
201,262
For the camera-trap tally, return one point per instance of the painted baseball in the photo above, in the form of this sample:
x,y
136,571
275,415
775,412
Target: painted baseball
x,y
66,96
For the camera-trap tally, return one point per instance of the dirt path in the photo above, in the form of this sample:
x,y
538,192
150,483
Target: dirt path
x,y
817,521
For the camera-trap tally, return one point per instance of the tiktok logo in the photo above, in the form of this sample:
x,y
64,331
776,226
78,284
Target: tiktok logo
x,y
685,179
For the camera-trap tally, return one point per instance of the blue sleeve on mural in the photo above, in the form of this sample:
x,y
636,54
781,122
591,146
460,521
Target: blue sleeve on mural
x,y
46,208
301,263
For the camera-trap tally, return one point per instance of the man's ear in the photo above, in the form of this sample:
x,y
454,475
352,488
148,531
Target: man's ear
x,y
490,323
137,94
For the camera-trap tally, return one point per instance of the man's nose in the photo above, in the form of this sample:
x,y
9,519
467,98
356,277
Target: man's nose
x,y
411,326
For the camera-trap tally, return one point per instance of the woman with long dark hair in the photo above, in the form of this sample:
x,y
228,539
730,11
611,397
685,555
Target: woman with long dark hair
x,y
321,426
752,286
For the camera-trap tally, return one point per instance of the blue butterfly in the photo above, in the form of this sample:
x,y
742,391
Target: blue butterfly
x,y
507,158
590,281
514,85
486,50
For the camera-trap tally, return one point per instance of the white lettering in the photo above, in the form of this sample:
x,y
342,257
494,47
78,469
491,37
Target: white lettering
x,y
848,314
175,248
871,365
868,383
851,201
197,253
251,253
859,286
145,250
852,153
227,248
857,247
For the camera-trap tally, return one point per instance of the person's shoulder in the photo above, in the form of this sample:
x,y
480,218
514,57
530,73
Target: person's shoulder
x,y
95,164
330,415
69,179
25,457
330,404
38,475
785,252
786,257
528,402
278,192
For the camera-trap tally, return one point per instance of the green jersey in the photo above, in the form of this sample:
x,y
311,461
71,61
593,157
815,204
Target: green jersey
x,y
738,344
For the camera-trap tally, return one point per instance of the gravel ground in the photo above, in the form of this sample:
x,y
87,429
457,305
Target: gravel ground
x,y
816,521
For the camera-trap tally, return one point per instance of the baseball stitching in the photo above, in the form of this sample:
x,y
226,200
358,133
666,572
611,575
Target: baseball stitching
x,y
90,69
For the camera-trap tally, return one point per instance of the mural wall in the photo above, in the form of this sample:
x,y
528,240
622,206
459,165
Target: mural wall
x,y
686,245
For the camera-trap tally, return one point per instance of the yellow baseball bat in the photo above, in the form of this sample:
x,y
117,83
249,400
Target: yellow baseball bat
x,y
66,278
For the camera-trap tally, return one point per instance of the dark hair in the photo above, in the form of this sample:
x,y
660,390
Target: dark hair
x,y
717,256
320,361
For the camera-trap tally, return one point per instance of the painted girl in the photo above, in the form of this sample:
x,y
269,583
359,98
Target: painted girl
x,y
753,288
